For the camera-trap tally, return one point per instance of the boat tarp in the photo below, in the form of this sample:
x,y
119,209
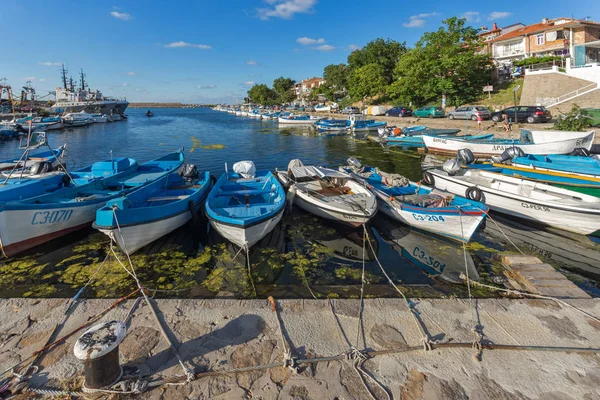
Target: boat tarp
x,y
311,171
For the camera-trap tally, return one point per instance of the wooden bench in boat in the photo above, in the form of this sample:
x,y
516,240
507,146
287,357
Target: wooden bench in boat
x,y
335,191
244,192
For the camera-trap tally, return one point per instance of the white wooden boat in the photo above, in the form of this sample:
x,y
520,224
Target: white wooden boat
x,y
550,205
329,194
322,108
296,120
99,118
553,136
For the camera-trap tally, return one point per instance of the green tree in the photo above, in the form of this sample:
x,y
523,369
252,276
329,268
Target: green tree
x,y
336,77
262,94
443,63
284,89
366,81
385,53
576,120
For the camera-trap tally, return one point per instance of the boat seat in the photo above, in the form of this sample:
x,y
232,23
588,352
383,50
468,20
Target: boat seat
x,y
168,198
244,192
335,191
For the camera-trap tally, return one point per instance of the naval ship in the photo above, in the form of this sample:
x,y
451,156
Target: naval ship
x,y
72,99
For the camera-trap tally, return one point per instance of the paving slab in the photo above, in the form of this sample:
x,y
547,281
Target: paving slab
x,y
217,335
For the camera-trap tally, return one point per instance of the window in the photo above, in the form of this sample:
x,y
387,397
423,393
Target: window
x,y
539,39
560,35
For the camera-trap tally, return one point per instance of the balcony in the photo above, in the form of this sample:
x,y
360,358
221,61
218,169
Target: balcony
x,y
508,52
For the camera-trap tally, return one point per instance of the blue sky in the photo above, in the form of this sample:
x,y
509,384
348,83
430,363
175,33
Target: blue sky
x,y
203,51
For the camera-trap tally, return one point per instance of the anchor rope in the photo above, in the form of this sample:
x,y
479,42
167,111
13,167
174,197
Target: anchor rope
x,y
133,274
249,269
501,231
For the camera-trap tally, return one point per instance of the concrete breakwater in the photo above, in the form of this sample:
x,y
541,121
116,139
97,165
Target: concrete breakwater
x,y
558,358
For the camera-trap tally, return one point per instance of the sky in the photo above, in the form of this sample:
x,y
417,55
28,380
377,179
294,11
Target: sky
x,y
214,51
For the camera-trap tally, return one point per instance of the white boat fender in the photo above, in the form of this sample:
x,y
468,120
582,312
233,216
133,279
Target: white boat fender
x,y
428,178
474,193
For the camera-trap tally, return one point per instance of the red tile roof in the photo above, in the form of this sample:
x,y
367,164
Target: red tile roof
x,y
541,27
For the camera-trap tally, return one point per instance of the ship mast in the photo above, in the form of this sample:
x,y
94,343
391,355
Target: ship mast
x,y
71,84
82,80
64,76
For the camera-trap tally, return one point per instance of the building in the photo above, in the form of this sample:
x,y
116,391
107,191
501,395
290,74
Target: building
x,y
566,37
304,88
487,36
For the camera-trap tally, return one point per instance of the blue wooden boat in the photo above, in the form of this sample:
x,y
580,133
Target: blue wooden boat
x,y
413,130
419,206
36,220
244,206
154,210
561,163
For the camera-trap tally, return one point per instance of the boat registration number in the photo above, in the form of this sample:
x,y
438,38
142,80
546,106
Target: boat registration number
x,y
535,207
51,217
434,218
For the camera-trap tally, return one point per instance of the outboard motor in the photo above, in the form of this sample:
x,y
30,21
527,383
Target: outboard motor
x,y
189,172
465,156
41,167
451,167
354,163
580,152
508,155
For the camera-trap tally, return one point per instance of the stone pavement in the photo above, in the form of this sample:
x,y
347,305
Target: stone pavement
x,y
223,334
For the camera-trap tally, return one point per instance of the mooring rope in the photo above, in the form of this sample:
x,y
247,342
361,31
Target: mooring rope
x,y
501,231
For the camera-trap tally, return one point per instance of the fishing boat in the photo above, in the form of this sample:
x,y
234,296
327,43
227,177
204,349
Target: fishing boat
x,y
296,120
149,113
489,147
417,140
421,207
47,123
553,206
322,108
99,118
438,257
152,211
358,123
76,119
244,205
329,194
577,165
36,220
32,165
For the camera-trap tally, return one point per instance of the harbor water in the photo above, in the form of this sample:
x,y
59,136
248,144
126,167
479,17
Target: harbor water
x,y
303,257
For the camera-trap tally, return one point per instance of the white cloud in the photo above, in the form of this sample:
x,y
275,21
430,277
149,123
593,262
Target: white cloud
x,y
285,8
186,44
125,84
251,62
50,64
131,73
325,47
211,86
121,16
472,16
248,83
499,15
29,78
353,47
42,79
417,21
307,41
296,50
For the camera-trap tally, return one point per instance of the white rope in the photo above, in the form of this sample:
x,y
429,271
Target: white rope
x,y
501,231
426,339
249,269
189,374
362,290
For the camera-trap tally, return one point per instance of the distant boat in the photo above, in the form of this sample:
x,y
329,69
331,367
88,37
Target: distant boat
x,y
417,140
322,108
36,220
154,210
77,119
245,205
149,113
99,118
296,120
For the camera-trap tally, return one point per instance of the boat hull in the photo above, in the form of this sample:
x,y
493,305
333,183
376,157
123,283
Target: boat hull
x,y
577,221
246,236
352,219
134,237
444,145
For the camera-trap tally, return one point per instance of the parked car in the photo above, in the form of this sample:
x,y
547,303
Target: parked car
x,y
429,112
469,112
399,112
529,114
351,110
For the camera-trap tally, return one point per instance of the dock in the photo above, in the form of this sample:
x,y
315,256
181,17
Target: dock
x,y
449,348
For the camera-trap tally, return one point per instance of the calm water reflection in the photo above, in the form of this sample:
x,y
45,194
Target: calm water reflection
x,y
303,257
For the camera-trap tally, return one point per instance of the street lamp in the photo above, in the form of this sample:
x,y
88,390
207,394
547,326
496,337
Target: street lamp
x,y
515,99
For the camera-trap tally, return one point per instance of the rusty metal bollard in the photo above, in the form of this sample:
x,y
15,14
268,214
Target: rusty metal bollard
x,y
98,348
